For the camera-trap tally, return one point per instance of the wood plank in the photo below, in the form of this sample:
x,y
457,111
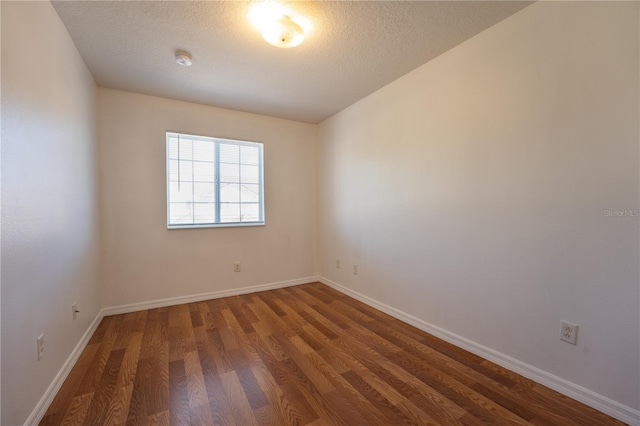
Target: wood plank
x,y
130,360
78,409
105,389
283,412
119,406
196,389
137,414
159,419
178,394
240,406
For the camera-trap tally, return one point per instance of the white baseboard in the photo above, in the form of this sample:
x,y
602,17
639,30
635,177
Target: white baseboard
x,y
41,408
572,390
161,303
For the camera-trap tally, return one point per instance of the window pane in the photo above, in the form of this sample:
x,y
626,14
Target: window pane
x,y
184,167
229,153
250,212
173,170
229,192
203,151
204,192
186,149
249,174
204,172
205,213
182,195
229,173
180,213
249,193
229,212
249,154
173,147
185,145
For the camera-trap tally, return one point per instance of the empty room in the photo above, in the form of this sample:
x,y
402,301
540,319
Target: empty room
x,y
320,213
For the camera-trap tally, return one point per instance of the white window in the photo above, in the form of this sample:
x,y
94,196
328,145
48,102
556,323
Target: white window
x,y
213,182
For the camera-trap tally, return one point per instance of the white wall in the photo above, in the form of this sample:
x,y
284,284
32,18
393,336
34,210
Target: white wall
x,y
472,192
144,261
49,202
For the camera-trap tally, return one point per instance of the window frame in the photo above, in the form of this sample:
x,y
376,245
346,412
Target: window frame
x,y
217,202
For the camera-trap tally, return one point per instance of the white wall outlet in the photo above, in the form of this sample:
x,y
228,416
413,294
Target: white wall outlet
x,y
40,345
355,269
74,311
569,332
236,267
337,263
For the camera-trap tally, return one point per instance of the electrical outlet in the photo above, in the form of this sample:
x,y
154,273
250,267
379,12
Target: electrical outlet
x,y
40,345
236,267
355,269
74,311
337,263
569,332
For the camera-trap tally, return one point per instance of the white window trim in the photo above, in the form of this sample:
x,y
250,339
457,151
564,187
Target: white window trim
x,y
217,224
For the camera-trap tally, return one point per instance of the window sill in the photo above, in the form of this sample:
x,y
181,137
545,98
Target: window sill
x,y
217,225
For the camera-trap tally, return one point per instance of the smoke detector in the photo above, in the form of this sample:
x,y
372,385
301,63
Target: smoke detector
x,y
184,59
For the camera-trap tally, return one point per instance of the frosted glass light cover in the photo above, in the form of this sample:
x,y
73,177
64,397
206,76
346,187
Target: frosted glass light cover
x,y
283,32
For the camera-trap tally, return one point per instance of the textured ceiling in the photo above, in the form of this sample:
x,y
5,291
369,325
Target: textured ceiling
x,y
354,49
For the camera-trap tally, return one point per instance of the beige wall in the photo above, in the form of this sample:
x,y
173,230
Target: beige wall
x,y
49,202
142,260
472,192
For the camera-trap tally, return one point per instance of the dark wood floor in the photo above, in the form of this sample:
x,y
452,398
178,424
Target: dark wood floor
x,y
305,355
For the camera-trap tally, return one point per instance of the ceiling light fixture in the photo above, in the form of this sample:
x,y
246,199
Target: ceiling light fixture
x,y
282,32
184,59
